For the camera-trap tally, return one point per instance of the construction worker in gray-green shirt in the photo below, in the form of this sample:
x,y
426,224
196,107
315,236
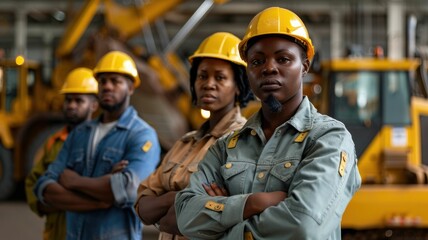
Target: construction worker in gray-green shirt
x,y
290,172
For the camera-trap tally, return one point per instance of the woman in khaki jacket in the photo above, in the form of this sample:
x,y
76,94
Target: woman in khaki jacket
x,y
218,84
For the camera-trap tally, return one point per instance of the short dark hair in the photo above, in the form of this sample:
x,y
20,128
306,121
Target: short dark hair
x,y
127,76
240,77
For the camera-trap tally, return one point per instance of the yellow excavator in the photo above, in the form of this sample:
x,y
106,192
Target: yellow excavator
x,y
384,104
26,117
30,105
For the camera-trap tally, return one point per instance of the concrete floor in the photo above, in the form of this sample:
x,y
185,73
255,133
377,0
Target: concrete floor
x,y
17,222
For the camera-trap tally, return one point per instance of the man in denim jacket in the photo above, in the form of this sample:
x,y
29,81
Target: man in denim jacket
x,y
99,203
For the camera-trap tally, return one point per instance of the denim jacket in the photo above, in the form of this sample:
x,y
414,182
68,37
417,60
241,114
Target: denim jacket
x,y
131,139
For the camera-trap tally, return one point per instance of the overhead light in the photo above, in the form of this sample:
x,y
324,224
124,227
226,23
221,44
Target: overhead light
x,y
19,60
59,15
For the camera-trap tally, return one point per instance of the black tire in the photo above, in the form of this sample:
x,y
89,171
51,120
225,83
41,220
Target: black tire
x,y
7,183
30,139
37,143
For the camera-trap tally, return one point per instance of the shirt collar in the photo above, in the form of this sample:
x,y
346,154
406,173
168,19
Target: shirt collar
x,y
231,120
125,120
61,135
302,120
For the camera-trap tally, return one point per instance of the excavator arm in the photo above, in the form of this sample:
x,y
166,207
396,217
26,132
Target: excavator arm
x,y
128,20
131,20
77,27
163,73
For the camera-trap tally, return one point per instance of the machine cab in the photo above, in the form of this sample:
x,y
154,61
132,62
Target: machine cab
x,y
372,97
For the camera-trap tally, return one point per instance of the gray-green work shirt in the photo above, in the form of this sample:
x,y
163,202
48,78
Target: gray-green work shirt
x,y
311,157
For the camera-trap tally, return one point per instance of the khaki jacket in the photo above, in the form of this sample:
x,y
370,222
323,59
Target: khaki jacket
x,y
182,160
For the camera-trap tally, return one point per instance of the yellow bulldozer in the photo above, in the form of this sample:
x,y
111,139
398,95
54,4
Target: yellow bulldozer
x,y
29,113
384,104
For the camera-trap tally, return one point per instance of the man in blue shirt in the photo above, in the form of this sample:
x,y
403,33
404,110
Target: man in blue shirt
x,y
99,203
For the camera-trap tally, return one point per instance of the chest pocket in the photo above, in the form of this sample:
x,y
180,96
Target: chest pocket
x,y
193,167
178,175
109,158
234,175
280,176
168,167
76,161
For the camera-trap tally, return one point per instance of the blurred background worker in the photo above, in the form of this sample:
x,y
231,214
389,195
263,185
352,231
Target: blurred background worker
x,y
80,90
99,203
219,85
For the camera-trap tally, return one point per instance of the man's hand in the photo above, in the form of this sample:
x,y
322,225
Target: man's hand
x,y
214,190
45,209
119,166
67,178
57,196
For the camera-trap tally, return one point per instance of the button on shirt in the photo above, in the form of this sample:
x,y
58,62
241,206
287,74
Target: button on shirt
x,y
125,141
183,158
302,158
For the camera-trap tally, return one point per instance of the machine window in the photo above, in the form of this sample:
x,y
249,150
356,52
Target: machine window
x,y
357,97
396,98
11,79
1,88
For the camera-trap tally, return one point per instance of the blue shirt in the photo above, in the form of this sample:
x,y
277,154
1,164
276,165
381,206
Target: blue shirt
x,y
311,157
131,139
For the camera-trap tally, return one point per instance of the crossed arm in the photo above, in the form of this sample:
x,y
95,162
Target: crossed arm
x,y
161,211
73,192
256,203
162,208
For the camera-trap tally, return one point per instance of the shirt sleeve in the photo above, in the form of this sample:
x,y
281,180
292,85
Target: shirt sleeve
x,y
152,185
143,154
36,171
201,216
54,170
323,185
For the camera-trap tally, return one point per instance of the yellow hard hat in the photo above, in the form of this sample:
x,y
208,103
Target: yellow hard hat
x,y
278,21
220,45
80,80
118,62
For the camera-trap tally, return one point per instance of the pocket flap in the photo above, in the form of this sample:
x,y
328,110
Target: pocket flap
x,y
231,169
284,170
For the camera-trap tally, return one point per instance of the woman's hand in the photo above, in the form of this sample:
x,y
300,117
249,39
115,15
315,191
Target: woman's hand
x,y
168,223
214,190
258,202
